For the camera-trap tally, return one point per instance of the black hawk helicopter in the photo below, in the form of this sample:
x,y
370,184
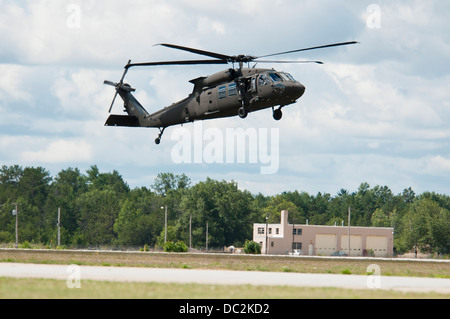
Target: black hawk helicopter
x,y
223,94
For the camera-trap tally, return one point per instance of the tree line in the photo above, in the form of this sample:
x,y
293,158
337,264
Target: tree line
x,y
99,208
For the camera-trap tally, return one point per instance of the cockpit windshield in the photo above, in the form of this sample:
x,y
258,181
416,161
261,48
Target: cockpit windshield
x,y
275,77
281,76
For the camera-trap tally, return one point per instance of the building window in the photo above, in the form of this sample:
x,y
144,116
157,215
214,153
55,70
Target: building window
x,y
277,231
271,243
260,230
296,246
270,231
297,231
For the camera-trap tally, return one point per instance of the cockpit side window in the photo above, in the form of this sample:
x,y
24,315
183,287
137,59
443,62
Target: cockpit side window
x,y
290,77
263,80
284,77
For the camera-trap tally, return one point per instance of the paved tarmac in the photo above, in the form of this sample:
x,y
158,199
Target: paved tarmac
x,y
73,274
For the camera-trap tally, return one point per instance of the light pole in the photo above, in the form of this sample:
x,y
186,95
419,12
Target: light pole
x,y
190,232
267,235
59,226
349,212
165,224
15,212
207,225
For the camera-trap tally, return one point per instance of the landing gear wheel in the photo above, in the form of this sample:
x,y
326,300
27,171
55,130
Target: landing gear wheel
x,y
277,114
242,113
158,139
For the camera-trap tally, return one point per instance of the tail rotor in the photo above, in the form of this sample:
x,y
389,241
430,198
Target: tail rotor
x,y
119,86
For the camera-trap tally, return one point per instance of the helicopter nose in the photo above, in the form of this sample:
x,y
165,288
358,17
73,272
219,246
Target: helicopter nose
x,y
299,90
294,91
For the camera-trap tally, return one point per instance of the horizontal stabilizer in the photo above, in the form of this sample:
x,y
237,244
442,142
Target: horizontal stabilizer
x,y
122,120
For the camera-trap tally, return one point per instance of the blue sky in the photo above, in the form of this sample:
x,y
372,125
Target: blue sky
x,y
376,112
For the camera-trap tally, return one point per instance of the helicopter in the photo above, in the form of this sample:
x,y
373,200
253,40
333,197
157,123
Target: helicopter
x,y
232,92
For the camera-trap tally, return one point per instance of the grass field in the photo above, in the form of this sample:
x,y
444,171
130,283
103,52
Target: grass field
x,y
40,288
13,288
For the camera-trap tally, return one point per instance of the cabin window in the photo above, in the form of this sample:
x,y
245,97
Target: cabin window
x,y
222,92
232,89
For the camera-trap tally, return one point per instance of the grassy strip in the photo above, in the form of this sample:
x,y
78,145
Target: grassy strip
x,y
13,288
228,262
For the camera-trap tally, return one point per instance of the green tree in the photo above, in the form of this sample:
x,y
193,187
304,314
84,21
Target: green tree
x,y
101,181
251,247
66,187
380,218
274,207
425,227
175,247
223,206
171,236
98,211
132,226
167,182
9,182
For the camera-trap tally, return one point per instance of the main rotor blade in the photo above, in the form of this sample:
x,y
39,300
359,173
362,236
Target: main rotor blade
x,y
197,51
267,61
186,62
312,48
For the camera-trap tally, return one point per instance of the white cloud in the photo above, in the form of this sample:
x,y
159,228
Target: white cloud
x,y
438,165
377,111
60,151
12,86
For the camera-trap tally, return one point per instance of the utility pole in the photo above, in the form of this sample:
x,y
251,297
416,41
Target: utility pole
x,y
349,211
267,224
190,232
165,226
165,223
206,236
59,226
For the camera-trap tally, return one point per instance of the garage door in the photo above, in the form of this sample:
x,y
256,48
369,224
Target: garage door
x,y
325,244
378,244
355,244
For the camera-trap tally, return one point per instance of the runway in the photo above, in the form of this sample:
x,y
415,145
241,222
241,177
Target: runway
x,y
76,274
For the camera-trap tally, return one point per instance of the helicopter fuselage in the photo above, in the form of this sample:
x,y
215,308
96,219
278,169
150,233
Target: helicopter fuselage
x,y
223,94
217,96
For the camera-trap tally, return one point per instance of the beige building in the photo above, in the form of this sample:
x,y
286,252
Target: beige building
x,y
285,238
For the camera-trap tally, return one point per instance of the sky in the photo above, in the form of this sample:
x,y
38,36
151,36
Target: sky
x,y
375,112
